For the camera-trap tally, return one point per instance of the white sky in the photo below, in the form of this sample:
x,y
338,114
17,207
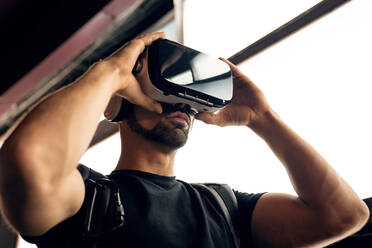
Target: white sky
x,y
318,80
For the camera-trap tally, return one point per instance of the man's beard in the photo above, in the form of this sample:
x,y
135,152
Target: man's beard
x,y
174,136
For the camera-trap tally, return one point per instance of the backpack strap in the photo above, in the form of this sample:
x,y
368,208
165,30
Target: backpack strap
x,y
104,212
225,197
84,171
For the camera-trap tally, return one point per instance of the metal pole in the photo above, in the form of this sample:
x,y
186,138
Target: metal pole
x,y
127,28
287,29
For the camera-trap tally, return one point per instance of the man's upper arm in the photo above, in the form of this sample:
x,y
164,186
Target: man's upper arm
x,y
281,220
34,210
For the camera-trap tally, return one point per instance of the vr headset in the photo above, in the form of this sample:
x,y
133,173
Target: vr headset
x,y
171,73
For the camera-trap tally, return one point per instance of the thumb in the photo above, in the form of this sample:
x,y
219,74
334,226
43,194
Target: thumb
x,y
209,118
147,103
135,95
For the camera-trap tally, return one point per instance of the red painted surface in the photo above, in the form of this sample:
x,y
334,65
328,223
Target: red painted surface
x,y
63,54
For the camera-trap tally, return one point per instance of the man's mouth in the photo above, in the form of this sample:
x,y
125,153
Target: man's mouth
x,y
179,117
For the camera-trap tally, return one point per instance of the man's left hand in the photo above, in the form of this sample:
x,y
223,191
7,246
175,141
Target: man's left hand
x,y
248,105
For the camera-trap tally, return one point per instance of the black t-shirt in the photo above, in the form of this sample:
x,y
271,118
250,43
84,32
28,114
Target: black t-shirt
x,y
160,212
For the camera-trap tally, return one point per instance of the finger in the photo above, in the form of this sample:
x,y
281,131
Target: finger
x,y
235,70
138,45
151,34
233,67
135,95
149,104
149,38
237,73
135,47
209,118
132,50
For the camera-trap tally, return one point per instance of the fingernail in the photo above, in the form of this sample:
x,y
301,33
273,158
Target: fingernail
x,y
158,109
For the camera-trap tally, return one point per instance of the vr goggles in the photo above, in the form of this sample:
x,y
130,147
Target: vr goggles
x,y
171,73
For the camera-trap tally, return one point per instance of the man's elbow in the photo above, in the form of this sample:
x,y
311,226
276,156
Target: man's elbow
x,y
350,221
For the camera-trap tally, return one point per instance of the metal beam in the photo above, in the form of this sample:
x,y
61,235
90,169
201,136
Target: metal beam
x,y
287,29
145,15
125,29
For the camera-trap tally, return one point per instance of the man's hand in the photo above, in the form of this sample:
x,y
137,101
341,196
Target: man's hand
x,y
39,183
248,105
124,60
326,208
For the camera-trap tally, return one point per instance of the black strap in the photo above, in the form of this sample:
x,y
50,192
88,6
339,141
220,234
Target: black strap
x,y
84,171
104,212
226,199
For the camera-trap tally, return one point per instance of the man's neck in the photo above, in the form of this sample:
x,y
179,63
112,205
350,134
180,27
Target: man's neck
x,y
140,154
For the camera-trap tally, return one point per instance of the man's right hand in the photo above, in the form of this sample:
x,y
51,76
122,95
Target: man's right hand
x,y
39,183
123,61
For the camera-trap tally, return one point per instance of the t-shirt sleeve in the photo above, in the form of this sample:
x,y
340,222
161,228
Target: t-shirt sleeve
x,y
56,236
246,205
53,236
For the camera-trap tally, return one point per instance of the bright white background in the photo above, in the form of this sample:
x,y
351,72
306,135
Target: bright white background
x,y
318,80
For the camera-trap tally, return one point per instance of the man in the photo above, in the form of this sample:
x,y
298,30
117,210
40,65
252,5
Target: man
x,y
42,191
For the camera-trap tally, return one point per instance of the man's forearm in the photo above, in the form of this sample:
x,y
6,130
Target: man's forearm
x,y
57,132
316,183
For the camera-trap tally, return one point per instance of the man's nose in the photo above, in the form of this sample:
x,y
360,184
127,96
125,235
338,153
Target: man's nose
x,y
186,109
181,105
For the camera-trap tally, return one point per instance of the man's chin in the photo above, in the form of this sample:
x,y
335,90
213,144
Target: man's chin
x,y
173,135
184,127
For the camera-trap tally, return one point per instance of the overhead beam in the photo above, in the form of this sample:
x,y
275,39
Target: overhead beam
x,y
287,29
125,29
145,15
